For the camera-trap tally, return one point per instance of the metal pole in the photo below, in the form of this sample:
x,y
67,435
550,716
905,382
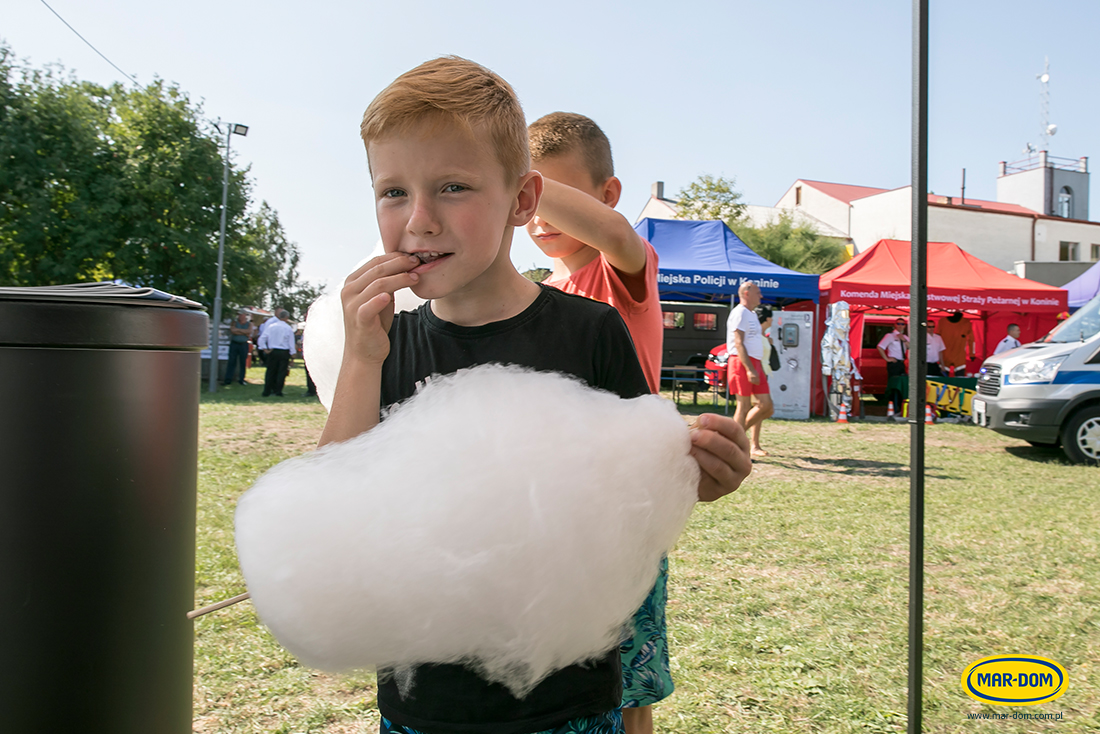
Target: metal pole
x,y
216,317
918,361
815,360
728,358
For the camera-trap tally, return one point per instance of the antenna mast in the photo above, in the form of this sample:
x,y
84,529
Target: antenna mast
x,y
1045,129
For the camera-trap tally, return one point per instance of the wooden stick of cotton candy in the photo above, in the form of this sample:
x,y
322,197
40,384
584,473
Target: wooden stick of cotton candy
x,y
509,520
201,611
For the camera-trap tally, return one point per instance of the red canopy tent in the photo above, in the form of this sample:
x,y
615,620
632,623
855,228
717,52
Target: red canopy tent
x,y
877,280
879,277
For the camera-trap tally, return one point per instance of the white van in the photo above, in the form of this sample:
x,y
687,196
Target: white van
x,y
1048,392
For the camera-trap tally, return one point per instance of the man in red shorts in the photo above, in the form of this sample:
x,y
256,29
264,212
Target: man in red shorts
x,y
745,346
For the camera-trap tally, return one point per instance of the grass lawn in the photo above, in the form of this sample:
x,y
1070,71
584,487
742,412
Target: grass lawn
x,y
788,599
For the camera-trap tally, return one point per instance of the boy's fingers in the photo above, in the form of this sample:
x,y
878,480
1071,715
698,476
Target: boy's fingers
x,y
358,272
379,267
734,458
723,457
368,278
709,488
375,261
354,299
718,477
726,426
373,307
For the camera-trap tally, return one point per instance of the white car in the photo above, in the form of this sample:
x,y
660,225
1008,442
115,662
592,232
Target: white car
x,y
1048,392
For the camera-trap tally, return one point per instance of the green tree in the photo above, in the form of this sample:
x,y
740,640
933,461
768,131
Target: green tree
x,y
118,183
168,227
275,283
60,184
794,246
711,198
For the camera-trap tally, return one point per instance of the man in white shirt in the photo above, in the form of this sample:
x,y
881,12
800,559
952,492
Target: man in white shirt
x,y
935,351
263,327
745,347
892,348
271,320
1011,341
277,343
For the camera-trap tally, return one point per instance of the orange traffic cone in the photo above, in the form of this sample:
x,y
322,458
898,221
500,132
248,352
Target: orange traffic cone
x,y
928,419
890,410
843,417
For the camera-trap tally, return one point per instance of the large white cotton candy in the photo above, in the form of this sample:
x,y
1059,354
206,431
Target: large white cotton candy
x,y
502,518
323,338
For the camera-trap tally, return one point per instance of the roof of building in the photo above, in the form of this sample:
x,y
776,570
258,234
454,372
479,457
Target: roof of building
x,y
844,192
657,209
996,206
848,193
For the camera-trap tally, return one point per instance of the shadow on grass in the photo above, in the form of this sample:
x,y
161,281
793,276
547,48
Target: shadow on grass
x,y
1039,454
855,467
689,409
686,407
253,394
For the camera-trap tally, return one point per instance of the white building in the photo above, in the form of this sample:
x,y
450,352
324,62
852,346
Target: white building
x,y
829,202
1041,215
658,207
1039,226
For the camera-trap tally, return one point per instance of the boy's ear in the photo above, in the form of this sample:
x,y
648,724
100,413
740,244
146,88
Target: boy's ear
x,y
612,190
527,199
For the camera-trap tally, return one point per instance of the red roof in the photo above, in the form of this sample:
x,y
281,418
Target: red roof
x,y
996,206
879,276
843,192
848,193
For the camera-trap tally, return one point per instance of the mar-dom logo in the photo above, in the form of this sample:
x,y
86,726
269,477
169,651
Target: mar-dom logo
x,y
1014,680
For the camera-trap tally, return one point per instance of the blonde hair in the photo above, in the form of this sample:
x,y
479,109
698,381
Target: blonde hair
x,y
455,91
563,132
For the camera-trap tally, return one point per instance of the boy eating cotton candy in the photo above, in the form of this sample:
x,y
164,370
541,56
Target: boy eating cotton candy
x,y
447,151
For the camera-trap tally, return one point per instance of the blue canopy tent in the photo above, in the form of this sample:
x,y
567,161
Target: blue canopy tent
x,y
1083,288
706,261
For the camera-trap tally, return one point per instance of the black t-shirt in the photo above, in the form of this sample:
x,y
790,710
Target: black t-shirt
x,y
561,333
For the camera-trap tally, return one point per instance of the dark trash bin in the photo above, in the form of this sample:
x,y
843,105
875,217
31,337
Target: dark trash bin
x,y
98,473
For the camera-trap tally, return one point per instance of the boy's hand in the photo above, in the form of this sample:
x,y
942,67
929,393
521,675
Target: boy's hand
x,y
720,446
367,299
590,219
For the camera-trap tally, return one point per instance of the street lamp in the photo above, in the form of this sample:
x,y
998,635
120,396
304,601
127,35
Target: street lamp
x,y
231,130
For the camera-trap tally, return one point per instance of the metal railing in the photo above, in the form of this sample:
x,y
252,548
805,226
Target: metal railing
x,y
1044,160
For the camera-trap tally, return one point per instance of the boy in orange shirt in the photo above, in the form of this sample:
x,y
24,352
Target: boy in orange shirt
x,y
595,250
596,253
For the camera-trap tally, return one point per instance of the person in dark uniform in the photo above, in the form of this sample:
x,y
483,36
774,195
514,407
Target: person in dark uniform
x,y
240,331
892,348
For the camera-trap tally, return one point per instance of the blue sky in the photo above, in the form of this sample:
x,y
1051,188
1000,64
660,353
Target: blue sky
x,y
765,92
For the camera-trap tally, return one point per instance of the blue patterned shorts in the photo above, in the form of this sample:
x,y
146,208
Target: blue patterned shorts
x,y
609,723
646,675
